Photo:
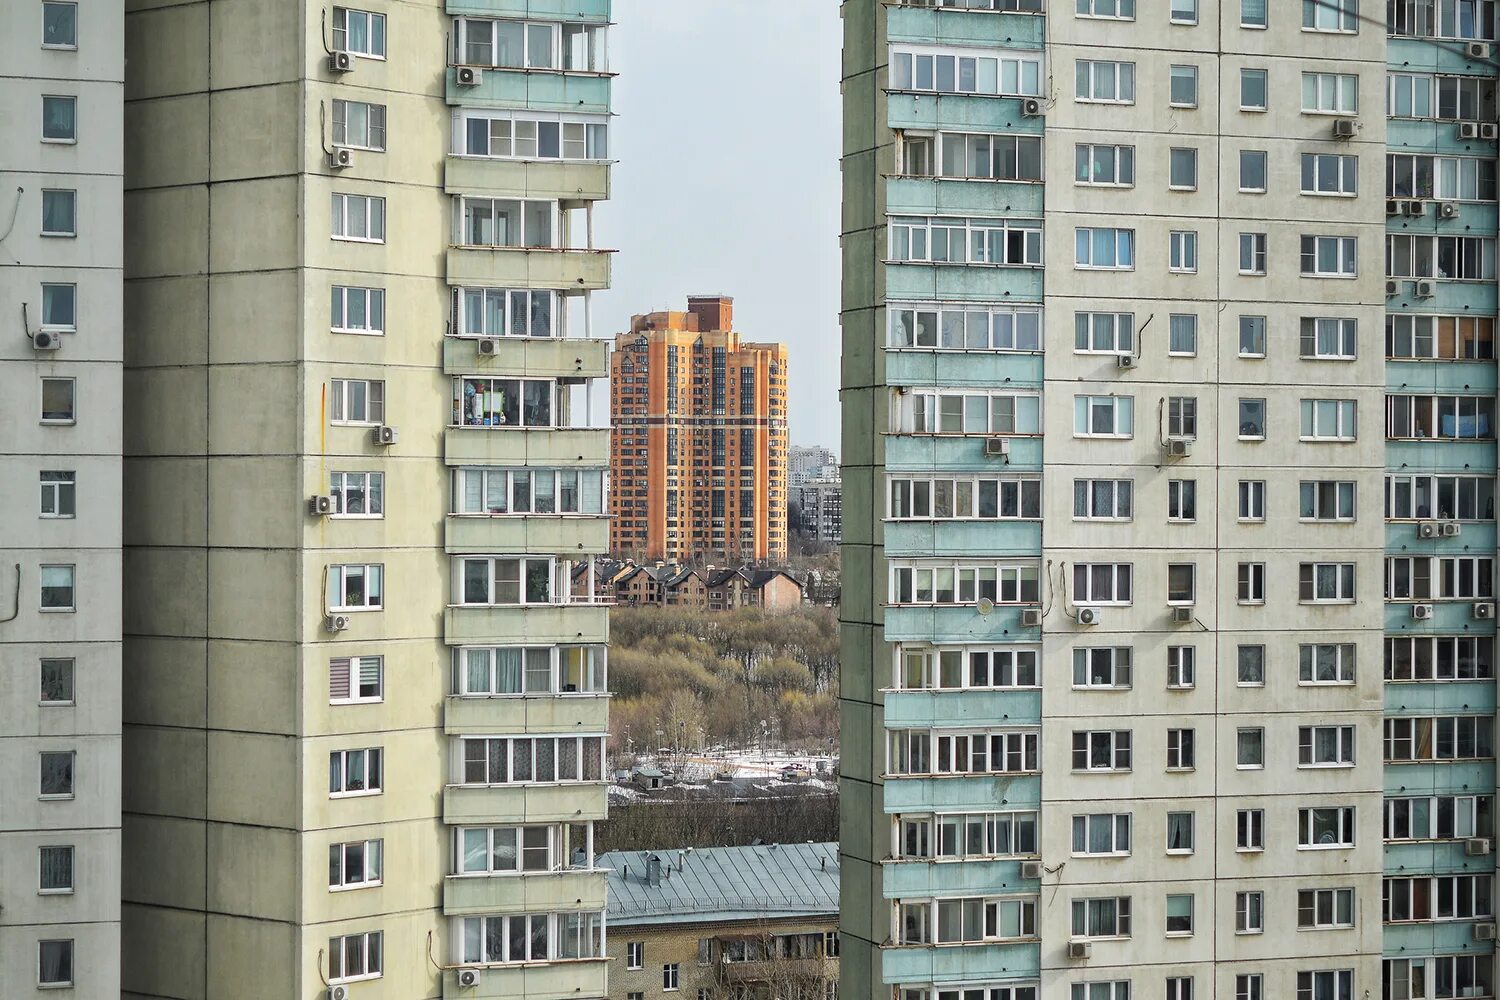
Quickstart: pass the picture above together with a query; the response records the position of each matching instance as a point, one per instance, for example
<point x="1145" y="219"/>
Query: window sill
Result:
<point x="1254" y="111"/>
<point x="356" y="239"/>
<point x="58" y="423"/>
<point x="57" y="517"/>
<point x="56" y="798"/>
<point x="350" y="611"/>
<point x="356" y="701"/>
<point x="58" y="236"/>
<point x="355" y="979"/>
<point x="356" y="795"/>
<point x="357" y="333"/>
<point x="57" y="704"/>
<point x="59" y="142"/>
<point x="355" y="886"/>
<point x="58" y="611"/>
<point x="59" y="48"/>
<point x="54" y="892"/>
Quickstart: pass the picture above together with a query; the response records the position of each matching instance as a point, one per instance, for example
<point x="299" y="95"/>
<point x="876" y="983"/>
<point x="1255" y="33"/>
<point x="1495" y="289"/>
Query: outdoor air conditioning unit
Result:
<point x="1477" y="50"/>
<point x="1417" y="208"/>
<point x="1468" y="130"/>
<point x="1083" y="949"/>
<point x="318" y="506"/>
<point x="469" y="978"/>
<point x="1395" y="207"/>
<point x="336" y="623"/>
<point x="489" y="346"/>
<point x="1031" y="869"/>
<point x="1392" y="288"/>
<point x="1426" y="289"/>
<point x="385" y="434"/>
<point x="1484" y="931"/>
<point x="996" y="447"/>
<point x="1031" y="107"/>
<point x="1421" y="612"/>
<point x="1031" y="617"/>
<point x="340" y="62"/>
<point x="340" y="992"/>
<point x="1477" y="847"/>
<point x="1182" y="616"/>
<point x="1450" y="529"/>
<point x="1448" y="209"/>
<point x="340" y="159"/>
<point x="1489" y="130"/>
<point x="1177" y="448"/>
<point x="1427" y="529"/>
<point x="1123" y="361"/>
<point x="45" y="340"/>
<point x="1345" y="128"/>
<point x="469" y="76"/>
<point x="1484" y="609"/>
<point x="1088" y="616"/>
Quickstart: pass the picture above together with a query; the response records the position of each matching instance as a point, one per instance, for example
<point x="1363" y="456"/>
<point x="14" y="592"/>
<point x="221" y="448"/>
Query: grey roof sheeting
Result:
<point x="714" y="884"/>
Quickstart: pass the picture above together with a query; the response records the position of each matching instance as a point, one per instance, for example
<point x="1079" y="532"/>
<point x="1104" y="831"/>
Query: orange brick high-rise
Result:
<point x="699" y="466"/>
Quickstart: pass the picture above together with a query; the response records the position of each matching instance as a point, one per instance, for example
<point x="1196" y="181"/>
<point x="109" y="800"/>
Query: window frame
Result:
<point x="343" y="205"/>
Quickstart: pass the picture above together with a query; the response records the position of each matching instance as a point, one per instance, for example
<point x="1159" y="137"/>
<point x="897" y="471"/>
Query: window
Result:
<point x="531" y="937"/>
<point x="965" y="327"/>
<point x="59" y="118"/>
<point x="1101" y="583"/>
<point x="1325" y="746"/>
<point x="1179" y="833"/>
<point x="1180" y="750"/>
<point x="1107" y="917"/>
<point x="1183" y="169"/>
<point x="635" y="954"/>
<point x="1326" y="338"/>
<point x="498" y="222"/>
<point x="1253" y="171"/>
<point x="1328" y="420"/>
<point x="1326" y="500"/>
<point x="356" y="680"/>
<point x="1325" y="827"/>
<point x="1120" y="9"/>
<point x="354" y="956"/>
<point x="1250" y="748"/>
<point x="1102" y="834"/>
<point x="1447" y="98"/>
<point x="494" y="491"/>
<point x="964" y="498"/>
<point x="1446" y="897"/>
<point x="1107" y="249"/>
<point x="1330" y="93"/>
<point x="1104" y="750"/>
<point x="1446" y="737"/>
<point x="1338" y="985"/>
<point x="512" y="670"/>
<point x="1102" y="667"/>
<point x="55" y="870"/>
<point x="510" y="134"/>
<point x="510" y="581"/>
<point x="1249" y="913"/>
<point x="1325" y="583"/>
<point x="59" y="307"/>
<point x="1250" y="830"/>
<point x="1182" y="254"/>
<point x="1118" y="989"/>
<point x="1102" y="499"/>
<point x="999" y="242"/>
<point x="1252" y="420"/>
<point x="1253" y="90"/>
<point x="1330" y="174"/>
<point x="357" y="310"/>
<point x="930" y="411"/>
<point x="1446" y="258"/>
<point x="1467" y="498"/>
<point x="1252" y="15"/>
<point x="55" y="963"/>
<point x="359" y="125"/>
<point x="355" y="587"/>
<point x="1467" y="338"/>
<point x="986" y="156"/>
<point x="1182" y="499"/>
<point x="1442" y="817"/>
<point x="669" y="977"/>
<point x="499" y="312"/>
<point x="1442" y="417"/>
<point x="1252" y="253"/>
<point x="1183" y="12"/>
<point x="1182" y="334"/>
<point x="1449" y="178"/>
<point x="1330" y="15"/>
<point x="1182" y="416"/>
<point x="1104" y="166"/>
<point x="1329" y="256"/>
<point x="957" y="921"/>
<point x="56" y="774"/>
<point x="972" y="835"/>
<point x="57" y="681"/>
<point x="357" y="401"/>
<point x="1461" y="975"/>
<point x="1104" y="82"/>
<point x="509" y="402"/>
<point x="1444" y="577"/>
<point x="359" y="31"/>
<point x="58" y="401"/>
<point x="500" y="760"/>
<point x="1252" y="336"/>
<point x="921" y="751"/>
<point x="1103" y="416"/>
<point x="354" y="772"/>
<point x="358" y="494"/>
<point x="1184" y="86"/>
<point x="57" y="588"/>
<point x="58" y="494"/>
<point x="59" y="212"/>
<point x="1249" y="987"/>
<point x="1179" y="922"/>
<point x="1439" y="658"/>
<point x="355" y="864"/>
<point x="1103" y="333"/>
<point x="358" y="217"/>
<point x="59" y="25"/>
<point x="1012" y="74"/>
<point x="1251" y="583"/>
<point x="1252" y="499"/>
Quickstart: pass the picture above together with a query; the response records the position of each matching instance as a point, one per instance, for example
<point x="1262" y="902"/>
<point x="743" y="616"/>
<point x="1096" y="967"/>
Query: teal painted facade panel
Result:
<point x="1452" y="456"/>
<point x="1445" y="857"/>
<point x="1466" y="778"/>
<point x="593" y="11"/>
<point x="935" y="369"/>
<point x="959" y="454"/>
<point x="965" y="793"/>
<point x="1441" y="376"/>
<point x="987" y="30"/>
<point x="951" y="709"/>
<point x="1448" y="618"/>
<point x="1446" y="938"/>
<point x="907" y="624"/>
<point x="958" y="538"/>
<point x="538" y="91"/>
<point x="1462" y="298"/>
<point x="964" y="283"/>
<point x="954" y="878"/>
<point x="961" y="112"/>
<point x="941" y="196"/>
<point x="1447" y="698"/>
<point x="968" y="963"/>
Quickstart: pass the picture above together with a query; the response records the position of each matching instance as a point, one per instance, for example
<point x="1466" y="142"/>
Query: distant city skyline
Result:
<point x="684" y="225"/>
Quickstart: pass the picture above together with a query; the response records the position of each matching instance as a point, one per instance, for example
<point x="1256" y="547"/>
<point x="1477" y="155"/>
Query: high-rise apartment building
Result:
<point x="820" y="505"/>
<point x="61" y="67"/>
<point x="366" y="711"/>
<point x="1164" y="428"/>
<point x="811" y="462"/>
<point x="700" y="417"/>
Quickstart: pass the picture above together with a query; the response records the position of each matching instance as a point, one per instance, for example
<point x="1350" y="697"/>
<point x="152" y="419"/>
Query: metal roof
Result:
<point x="711" y="884"/>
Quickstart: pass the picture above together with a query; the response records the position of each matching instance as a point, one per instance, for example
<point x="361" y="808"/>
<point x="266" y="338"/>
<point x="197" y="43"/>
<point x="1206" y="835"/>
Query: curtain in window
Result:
<point x="57" y="868"/>
<point x="1253" y="12"/>
<point x="508" y="671"/>
<point x="57" y="212"/>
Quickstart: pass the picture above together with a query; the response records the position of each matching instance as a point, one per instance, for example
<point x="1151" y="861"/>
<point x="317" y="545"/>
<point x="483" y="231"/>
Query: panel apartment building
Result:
<point x="366" y="720"/>
<point x="61" y="94"/>
<point x="700" y="463"/>
<point x="1169" y="456"/>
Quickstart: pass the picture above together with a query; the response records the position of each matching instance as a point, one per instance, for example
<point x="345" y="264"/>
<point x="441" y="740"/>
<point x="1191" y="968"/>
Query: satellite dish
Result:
<point x="986" y="605"/>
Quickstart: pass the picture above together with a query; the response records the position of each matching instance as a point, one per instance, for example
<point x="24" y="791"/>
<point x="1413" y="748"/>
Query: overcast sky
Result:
<point x="728" y="178"/>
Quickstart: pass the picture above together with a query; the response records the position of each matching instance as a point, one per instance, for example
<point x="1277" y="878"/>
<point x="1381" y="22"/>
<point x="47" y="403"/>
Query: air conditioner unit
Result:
<point x="489" y="346"/>
<point x="45" y="340"/>
<point x="319" y="505"/>
<point x="1031" y="869"/>
<point x="1450" y="529"/>
<point x="1468" y="130"/>
<point x="996" y="447"/>
<point x="1484" y="609"/>
<point x="469" y="978"/>
<point x="469" y="76"/>
<point x="339" y="993"/>
<point x="340" y="62"/>
<point x="1418" y="208"/>
<point x="1182" y="616"/>
<point x="1031" y="617"/>
<point x="1345" y="128"/>
<point x="1088" y="616"/>
<point x="1477" y="847"/>
<point x="385" y="434"/>
<point x="1392" y="288"/>
<point x="336" y="623"/>
<point x="340" y="159"/>
<point x="1177" y="448"/>
<point x="1126" y="361"/>
<point x="1421" y="612"/>
<point x="1083" y="949"/>
<point x="1426" y="289"/>
<point x="1395" y="207"/>
<point x="1448" y="209"/>
<point x="1477" y="50"/>
<point x="1489" y="130"/>
<point x="1031" y="108"/>
<point x="1427" y="529"/>
<point x="1484" y="931"/>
